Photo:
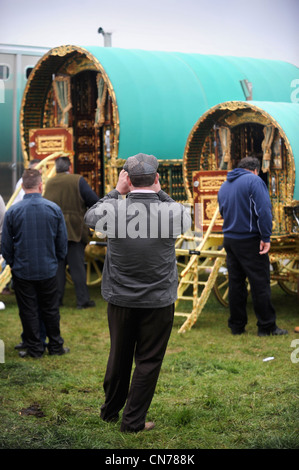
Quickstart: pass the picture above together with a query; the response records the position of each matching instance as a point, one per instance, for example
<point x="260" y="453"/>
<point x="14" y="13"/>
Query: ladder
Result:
<point x="190" y="275"/>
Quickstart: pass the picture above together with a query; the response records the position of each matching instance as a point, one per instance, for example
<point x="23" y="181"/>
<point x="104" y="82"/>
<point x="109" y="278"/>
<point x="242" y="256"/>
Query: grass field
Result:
<point x="214" y="391"/>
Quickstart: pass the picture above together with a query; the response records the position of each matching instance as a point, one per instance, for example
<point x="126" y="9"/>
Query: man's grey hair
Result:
<point x="62" y="164"/>
<point x="250" y="163"/>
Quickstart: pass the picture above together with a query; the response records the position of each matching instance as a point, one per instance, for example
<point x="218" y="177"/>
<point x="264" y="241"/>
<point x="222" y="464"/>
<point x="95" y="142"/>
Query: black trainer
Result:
<point x="64" y="350"/>
<point x="88" y="304"/>
<point x="276" y="332"/>
<point x="21" y="346"/>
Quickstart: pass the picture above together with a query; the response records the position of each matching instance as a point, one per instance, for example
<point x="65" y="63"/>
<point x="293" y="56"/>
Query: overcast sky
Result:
<point x="252" y="28"/>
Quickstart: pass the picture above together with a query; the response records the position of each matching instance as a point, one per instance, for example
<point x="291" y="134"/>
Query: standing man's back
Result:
<point x="245" y="206"/>
<point x="73" y="194"/>
<point x="34" y="240"/>
<point x="139" y="283"/>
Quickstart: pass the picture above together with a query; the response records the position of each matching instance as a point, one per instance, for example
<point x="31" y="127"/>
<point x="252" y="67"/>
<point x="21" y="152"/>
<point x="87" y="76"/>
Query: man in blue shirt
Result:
<point x="245" y="206"/>
<point x="34" y="239"/>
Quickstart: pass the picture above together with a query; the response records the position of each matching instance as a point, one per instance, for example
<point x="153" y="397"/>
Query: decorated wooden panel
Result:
<point x="43" y="142"/>
<point x="206" y="185"/>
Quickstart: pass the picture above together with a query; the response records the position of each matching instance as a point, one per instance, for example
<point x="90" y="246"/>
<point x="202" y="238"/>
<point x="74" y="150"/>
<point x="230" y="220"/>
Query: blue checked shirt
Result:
<point x="34" y="237"/>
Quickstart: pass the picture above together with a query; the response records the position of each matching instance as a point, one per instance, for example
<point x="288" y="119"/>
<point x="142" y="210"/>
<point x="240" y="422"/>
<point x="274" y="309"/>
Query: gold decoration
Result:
<point x="86" y="158"/>
<point x="86" y="140"/>
<point x="232" y="105"/>
<point x="211" y="206"/>
<point x="266" y="146"/>
<point x="247" y="116"/>
<point x="225" y="139"/>
<point x="50" y="144"/>
<point x="62" y="50"/>
<point x="209" y="183"/>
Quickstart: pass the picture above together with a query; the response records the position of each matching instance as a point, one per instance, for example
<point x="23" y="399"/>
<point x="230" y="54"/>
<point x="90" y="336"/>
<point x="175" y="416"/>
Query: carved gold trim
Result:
<point x="62" y="50"/>
<point x="232" y="105"/>
<point x="236" y="119"/>
<point x="50" y="143"/>
<point x="210" y="183"/>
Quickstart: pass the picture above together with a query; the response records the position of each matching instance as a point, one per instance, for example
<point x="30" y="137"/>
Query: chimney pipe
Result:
<point x="107" y="37"/>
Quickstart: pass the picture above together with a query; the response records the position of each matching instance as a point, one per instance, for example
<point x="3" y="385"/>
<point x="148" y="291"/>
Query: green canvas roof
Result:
<point x="161" y="95"/>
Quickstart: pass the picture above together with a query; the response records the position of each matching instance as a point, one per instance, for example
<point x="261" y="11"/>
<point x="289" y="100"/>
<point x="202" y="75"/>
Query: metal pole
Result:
<point x="14" y="156"/>
<point x="107" y="37"/>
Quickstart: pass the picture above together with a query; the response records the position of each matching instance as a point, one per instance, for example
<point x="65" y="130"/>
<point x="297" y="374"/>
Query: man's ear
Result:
<point x="157" y="178"/>
<point x="128" y="180"/>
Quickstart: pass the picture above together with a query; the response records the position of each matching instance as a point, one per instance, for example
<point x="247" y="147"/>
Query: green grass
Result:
<point x="214" y="390"/>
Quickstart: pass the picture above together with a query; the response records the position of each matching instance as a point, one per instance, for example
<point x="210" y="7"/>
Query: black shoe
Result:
<point x="21" y="346"/>
<point x="238" y="332"/>
<point x="60" y="353"/>
<point x="276" y="332"/>
<point x="113" y="419"/>
<point x="88" y="304"/>
<point x="24" y="354"/>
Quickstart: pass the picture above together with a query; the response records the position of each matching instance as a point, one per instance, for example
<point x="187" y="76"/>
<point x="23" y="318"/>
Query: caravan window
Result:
<point x="4" y="72"/>
<point x="28" y="72"/>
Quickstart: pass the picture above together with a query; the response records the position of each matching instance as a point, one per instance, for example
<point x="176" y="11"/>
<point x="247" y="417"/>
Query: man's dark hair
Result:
<point x="62" y="164"/>
<point x="140" y="181"/>
<point x="31" y="179"/>
<point x="250" y="163"/>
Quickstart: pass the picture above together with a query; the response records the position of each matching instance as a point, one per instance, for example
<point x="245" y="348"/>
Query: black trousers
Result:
<point x="35" y="299"/>
<point x="75" y="260"/>
<point x="143" y="334"/>
<point x="244" y="260"/>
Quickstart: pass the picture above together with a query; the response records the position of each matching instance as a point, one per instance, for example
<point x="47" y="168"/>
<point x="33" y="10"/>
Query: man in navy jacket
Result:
<point x="34" y="239"/>
<point x="245" y="206"/>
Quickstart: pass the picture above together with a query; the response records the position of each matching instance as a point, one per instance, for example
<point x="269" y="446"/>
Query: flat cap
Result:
<point x="141" y="164"/>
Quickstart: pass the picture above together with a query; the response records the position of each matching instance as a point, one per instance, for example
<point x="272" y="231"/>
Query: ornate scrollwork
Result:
<point x="233" y="105"/>
<point x="62" y="50"/>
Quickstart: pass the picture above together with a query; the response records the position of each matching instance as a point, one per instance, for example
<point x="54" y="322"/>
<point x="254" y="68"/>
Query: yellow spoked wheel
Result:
<point x="94" y="261"/>
<point x="220" y="288"/>
<point x="289" y="275"/>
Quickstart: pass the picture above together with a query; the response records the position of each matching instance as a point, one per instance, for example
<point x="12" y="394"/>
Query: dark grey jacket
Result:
<point x="140" y="266"/>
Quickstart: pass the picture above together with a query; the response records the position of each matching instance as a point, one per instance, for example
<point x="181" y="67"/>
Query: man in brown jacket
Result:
<point x="73" y="195"/>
